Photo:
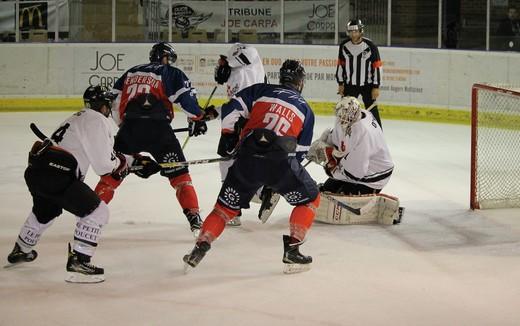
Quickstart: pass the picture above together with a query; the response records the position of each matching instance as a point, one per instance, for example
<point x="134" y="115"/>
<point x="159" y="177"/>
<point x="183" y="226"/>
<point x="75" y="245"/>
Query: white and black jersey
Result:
<point x="246" y="68"/>
<point x="89" y="136"/>
<point x="365" y="158"/>
<point x="359" y="64"/>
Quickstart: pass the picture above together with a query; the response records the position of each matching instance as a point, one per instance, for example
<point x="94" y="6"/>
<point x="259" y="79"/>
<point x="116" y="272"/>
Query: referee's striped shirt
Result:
<point x="359" y="64"/>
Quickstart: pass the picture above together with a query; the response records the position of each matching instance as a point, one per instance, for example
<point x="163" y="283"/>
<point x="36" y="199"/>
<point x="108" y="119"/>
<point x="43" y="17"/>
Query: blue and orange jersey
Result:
<point x="274" y="107"/>
<point x="166" y="83"/>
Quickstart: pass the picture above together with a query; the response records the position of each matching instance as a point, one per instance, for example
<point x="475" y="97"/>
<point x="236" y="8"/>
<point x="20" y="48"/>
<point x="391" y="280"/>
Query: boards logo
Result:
<point x="33" y="16"/>
<point x="184" y="17"/>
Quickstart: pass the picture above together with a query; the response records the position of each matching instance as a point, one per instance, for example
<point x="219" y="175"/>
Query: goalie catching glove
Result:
<point x="148" y="166"/>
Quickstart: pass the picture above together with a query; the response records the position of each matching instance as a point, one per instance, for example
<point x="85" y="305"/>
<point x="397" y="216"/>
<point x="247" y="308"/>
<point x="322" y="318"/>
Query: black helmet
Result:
<point x="292" y="73"/>
<point x="161" y="50"/>
<point x="97" y="96"/>
<point x="355" y="25"/>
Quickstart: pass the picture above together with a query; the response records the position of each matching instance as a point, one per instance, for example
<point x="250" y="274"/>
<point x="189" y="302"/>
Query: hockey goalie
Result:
<point x="356" y="158"/>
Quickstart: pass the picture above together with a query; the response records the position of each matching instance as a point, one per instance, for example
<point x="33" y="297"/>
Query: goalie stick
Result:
<point x="205" y="107"/>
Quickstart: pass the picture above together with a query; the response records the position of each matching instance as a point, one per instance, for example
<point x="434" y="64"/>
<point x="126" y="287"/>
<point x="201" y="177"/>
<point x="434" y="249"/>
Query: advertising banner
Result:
<point x="420" y="77"/>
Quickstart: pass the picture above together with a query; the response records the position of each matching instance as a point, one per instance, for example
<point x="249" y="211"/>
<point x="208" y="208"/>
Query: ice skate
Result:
<point x="80" y="270"/>
<point x="195" y="221"/>
<point x="269" y="200"/>
<point x="17" y="256"/>
<point x="294" y="261"/>
<point x="400" y="215"/>
<point x="192" y="259"/>
<point x="235" y="222"/>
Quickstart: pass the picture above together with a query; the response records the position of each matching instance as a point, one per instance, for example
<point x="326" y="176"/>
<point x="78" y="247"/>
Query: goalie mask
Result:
<point x="292" y="74"/>
<point x="97" y="96"/>
<point x="161" y="50"/>
<point x="348" y="112"/>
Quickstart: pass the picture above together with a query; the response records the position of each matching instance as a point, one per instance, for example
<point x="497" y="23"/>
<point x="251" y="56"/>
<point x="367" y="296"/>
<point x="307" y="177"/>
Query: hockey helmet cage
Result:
<point x="160" y="50"/>
<point x="355" y="25"/>
<point x="97" y="96"/>
<point x="292" y="74"/>
<point x="348" y="112"/>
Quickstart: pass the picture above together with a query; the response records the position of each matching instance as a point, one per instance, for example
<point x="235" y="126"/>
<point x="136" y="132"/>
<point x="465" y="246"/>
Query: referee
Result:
<point x="359" y="67"/>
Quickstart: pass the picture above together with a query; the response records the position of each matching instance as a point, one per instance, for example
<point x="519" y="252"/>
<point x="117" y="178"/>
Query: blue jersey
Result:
<point x="274" y="107"/>
<point x="166" y="83"/>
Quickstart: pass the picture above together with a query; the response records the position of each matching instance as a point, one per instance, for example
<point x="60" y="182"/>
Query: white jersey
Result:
<point x="89" y="136"/>
<point x="246" y="68"/>
<point x="365" y="158"/>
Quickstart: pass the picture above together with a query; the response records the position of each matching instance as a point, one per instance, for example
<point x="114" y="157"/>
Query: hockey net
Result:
<point x="495" y="146"/>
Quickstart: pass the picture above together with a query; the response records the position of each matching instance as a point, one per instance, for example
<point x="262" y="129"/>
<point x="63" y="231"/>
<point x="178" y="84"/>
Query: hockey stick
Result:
<point x="181" y="129"/>
<point x="357" y="211"/>
<point x="205" y="106"/>
<point x="184" y="163"/>
<point x="37" y="131"/>
<point x="373" y="105"/>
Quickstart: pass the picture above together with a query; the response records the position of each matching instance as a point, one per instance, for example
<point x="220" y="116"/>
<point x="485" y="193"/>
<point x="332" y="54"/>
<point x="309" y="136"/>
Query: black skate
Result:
<point x="269" y="200"/>
<point x="17" y="256"/>
<point x="294" y="261"/>
<point x="196" y="255"/>
<point x="195" y="221"/>
<point x="399" y="215"/>
<point x="80" y="270"/>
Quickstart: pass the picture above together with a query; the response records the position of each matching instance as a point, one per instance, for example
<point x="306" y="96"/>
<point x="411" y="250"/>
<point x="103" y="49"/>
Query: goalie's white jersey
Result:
<point x="246" y="68"/>
<point x="365" y="156"/>
<point x="89" y="137"/>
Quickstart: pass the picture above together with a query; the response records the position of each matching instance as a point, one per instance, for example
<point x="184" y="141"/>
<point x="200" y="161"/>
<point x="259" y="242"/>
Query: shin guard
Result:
<point x="302" y="217"/>
<point x="215" y="223"/>
<point x="185" y="192"/>
<point x="106" y="187"/>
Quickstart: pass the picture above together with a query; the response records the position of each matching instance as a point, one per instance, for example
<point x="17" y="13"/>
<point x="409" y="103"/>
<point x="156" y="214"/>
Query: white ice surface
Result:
<point x="444" y="265"/>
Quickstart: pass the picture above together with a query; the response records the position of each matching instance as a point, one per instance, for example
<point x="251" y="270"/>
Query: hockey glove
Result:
<point x="197" y="128"/>
<point x="122" y="170"/>
<point x="210" y="113"/>
<point x="222" y="70"/>
<point x="227" y="144"/>
<point x="149" y="166"/>
<point x="316" y="152"/>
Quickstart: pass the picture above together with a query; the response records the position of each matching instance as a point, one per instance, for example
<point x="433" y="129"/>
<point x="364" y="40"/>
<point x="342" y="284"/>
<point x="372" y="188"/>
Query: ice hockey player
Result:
<point x="275" y="137"/>
<point x="239" y="68"/>
<point x="57" y="168"/>
<point x="144" y="104"/>
<point x="356" y="158"/>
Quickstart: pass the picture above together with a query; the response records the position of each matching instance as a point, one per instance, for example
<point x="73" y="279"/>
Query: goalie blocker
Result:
<point x="363" y="209"/>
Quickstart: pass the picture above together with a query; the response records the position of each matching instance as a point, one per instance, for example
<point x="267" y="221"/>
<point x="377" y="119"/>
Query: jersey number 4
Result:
<point x="57" y="136"/>
<point x="276" y="123"/>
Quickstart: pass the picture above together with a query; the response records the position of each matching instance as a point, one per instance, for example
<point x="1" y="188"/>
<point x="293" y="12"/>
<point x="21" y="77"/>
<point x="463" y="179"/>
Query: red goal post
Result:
<point x="495" y="146"/>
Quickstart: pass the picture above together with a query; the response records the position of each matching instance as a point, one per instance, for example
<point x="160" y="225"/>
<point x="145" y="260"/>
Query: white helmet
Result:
<point x="348" y="111"/>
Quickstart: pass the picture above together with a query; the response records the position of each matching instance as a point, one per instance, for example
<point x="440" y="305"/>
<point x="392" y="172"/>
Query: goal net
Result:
<point x="495" y="146"/>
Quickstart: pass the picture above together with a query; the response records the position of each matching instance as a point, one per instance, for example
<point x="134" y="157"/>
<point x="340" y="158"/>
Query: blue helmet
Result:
<point x="161" y="50"/>
<point x="292" y="74"/>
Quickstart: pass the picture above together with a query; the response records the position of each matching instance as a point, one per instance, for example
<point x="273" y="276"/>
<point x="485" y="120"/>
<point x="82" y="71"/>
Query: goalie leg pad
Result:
<point x="379" y="208"/>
